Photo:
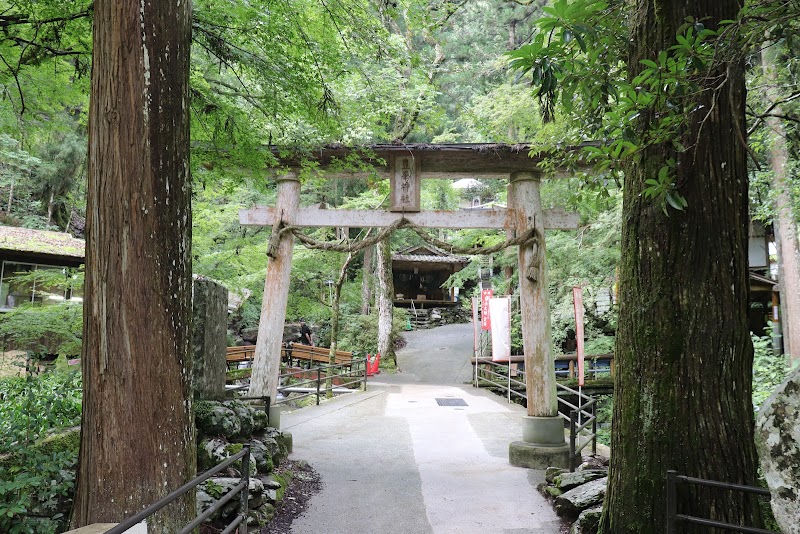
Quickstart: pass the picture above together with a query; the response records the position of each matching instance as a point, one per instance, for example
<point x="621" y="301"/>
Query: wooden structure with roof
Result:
<point x="40" y="246"/>
<point x="419" y="273"/>
<point x="23" y="250"/>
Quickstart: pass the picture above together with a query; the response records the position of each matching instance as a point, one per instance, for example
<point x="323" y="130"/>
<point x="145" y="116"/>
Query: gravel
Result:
<point x="305" y="483"/>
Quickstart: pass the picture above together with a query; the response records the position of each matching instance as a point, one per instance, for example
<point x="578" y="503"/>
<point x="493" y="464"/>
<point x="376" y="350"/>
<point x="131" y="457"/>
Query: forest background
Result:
<point x="309" y="73"/>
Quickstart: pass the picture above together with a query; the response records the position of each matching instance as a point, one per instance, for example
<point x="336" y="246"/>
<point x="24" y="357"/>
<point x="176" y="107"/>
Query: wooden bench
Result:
<point x="236" y="355"/>
<point x="307" y="353"/>
<point x="290" y="353"/>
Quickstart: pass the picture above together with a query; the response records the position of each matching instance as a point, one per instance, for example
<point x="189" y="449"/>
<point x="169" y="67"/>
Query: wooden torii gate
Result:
<point x="405" y="166"/>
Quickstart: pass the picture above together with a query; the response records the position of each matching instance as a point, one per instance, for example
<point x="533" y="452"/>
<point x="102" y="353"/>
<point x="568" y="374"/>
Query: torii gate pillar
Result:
<point x="267" y="360"/>
<point x="543" y="443"/>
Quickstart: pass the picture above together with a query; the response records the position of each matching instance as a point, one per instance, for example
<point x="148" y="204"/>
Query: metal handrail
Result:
<point x="358" y="376"/>
<point x="244" y="454"/>
<point x="585" y="402"/>
<point x="673" y="517"/>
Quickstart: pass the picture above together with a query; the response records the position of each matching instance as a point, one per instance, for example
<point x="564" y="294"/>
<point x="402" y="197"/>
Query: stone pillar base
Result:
<point x="522" y="454"/>
<point x="287" y="439"/>
<point x="543" y="431"/>
<point x="275" y="417"/>
<point x="543" y="444"/>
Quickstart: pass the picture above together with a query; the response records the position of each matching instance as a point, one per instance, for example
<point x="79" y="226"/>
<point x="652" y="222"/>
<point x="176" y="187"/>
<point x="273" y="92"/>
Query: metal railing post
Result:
<point x="508" y="367"/>
<point x="573" y="415"/>
<point x="246" y="491"/>
<point x="672" y="501"/>
<point x="319" y="379"/>
<point x="594" y="427"/>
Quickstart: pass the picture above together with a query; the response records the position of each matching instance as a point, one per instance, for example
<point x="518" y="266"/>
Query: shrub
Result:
<point x="37" y="471"/>
<point x="359" y="333"/>
<point x="56" y="328"/>
<point x="769" y="369"/>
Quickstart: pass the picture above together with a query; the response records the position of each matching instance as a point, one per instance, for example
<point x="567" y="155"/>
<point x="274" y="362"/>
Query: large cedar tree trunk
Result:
<point x="385" y="292"/>
<point x="137" y="435"/>
<point x="684" y="356"/>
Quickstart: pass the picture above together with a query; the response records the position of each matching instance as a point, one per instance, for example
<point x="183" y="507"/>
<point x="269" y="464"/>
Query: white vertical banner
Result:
<point x="577" y="297"/>
<point x="499" y="311"/>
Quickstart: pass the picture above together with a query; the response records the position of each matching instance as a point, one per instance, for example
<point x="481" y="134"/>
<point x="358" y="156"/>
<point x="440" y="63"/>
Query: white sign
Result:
<point x="499" y="310"/>
<point x="405" y="185"/>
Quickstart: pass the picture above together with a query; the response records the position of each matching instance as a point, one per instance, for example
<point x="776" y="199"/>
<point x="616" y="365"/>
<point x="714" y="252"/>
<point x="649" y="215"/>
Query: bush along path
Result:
<point x="37" y="480"/>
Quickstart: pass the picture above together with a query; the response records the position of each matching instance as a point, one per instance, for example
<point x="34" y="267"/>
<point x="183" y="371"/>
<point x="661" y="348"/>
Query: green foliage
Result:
<point x="599" y="344"/>
<point x="56" y="328"/>
<point x="577" y="59"/>
<point x="605" y="411"/>
<point x="360" y="332"/>
<point x="214" y="490"/>
<point x="37" y="477"/>
<point x="769" y="369"/>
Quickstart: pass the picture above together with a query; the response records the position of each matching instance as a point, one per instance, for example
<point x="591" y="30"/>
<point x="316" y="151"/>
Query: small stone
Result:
<point x="567" y="481"/>
<point x="588" y="521"/>
<point x="302" y="465"/>
<point x="245" y="415"/>
<point x="594" y="461"/>
<point x="551" y="473"/>
<point x="262" y="456"/>
<point x="271" y="483"/>
<point x="573" y="502"/>
<point x="552" y="491"/>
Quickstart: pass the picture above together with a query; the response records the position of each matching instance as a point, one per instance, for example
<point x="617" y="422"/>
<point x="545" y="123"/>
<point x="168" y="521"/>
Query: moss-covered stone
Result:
<point x="66" y="440"/>
<point x="260" y="420"/>
<point x="214" y="419"/>
<point x="262" y="456"/>
<point x="551" y="473"/>
<point x="245" y="415"/>
<point x="552" y="491"/>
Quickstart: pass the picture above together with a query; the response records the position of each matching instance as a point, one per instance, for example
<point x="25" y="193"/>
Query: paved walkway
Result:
<point x="393" y="460"/>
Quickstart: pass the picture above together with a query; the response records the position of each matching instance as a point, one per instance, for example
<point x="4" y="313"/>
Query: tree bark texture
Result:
<point x="335" y="316"/>
<point x="137" y="435"/>
<point x="788" y="250"/>
<point x="684" y="356"/>
<point x="534" y="298"/>
<point x="366" y="280"/>
<point x="385" y="304"/>
<point x="267" y="360"/>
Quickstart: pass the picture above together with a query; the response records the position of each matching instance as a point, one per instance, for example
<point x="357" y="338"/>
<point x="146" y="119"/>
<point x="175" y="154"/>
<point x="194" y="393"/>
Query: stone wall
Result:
<point x="209" y="338"/>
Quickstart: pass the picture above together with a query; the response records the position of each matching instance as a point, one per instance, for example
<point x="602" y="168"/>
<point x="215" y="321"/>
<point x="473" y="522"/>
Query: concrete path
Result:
<point x="393" y="460"/>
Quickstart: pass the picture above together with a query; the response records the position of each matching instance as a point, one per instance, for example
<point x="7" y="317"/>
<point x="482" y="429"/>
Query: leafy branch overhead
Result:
<point x="577" y="62"/>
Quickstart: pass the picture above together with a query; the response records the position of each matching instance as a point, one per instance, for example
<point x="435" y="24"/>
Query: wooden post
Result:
<point x="540" y="383"/>
<point x="267" y="360"/>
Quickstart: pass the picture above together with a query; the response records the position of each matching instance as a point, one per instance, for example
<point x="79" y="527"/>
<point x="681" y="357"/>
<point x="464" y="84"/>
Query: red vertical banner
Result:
<point x="486" y="320"/>
<point x="577" y="297"/>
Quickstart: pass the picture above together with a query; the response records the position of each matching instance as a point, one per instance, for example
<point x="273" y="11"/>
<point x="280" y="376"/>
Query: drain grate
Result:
<point x="451" y="402"/>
